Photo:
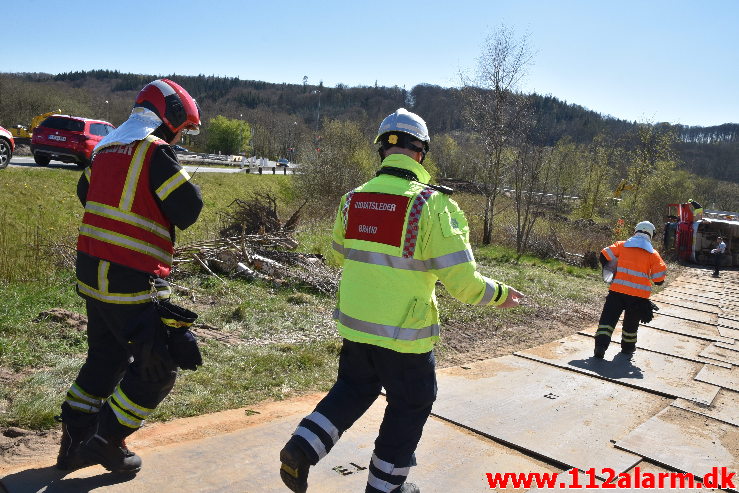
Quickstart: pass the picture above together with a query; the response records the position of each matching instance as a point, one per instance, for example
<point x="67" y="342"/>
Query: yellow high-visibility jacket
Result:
<point x="394" y="239"/>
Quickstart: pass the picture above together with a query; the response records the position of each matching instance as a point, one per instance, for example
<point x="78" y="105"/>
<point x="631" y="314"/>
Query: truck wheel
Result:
<point x="41" y="160"/>
<point x="5" y="153"/>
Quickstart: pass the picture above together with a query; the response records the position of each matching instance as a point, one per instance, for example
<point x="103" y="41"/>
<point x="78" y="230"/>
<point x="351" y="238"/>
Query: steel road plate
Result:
<point x="567" y="417"/>
<point x="654" y="372"/>
<point x="246" y="460"/>
<point x="725" y="407"/>
<point x="730" y="333"/>
<point x="687" y="327"/>
<point x="669" y="343"/>
<point x="723" y="377"/>
<point x="718" y="351"/>
<point x="691" y="304"/>
<point x="686" y="442"/>
<point x="687" y="314"/>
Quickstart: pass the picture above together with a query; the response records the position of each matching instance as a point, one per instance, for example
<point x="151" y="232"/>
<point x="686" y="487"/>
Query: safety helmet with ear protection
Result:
<point x="645" y="227"/>
<point x="172" y="104"/>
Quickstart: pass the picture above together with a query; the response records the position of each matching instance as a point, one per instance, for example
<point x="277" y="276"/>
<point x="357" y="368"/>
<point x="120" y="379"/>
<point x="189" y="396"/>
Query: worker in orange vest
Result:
<point x="636" y="265"/>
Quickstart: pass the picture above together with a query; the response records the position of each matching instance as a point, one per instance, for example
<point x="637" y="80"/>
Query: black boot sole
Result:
<point x="95" y="458"/>
<point x="290" y="472"/>
<point x="72" y="464"/>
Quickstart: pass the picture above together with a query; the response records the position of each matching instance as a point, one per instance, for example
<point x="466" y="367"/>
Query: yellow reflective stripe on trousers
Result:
<point x="124" y="418"/>
<point x="628" y="336"/>
<point x="103" y="268"/>
<point x="82" y="401"/>
<point x="115" y="298"/>
<point x="172" y="184"/>
<point x="127" y="217"/>
<point x="129" y="405"/>
<point x="605" y="330"/>
<point x="389" y="331"/>
<point x="124" y="241"/>
<point x="134" y="171"/>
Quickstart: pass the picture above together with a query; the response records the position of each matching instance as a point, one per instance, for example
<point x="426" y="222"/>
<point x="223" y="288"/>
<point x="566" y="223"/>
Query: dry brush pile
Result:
<point x="255" y="244"/>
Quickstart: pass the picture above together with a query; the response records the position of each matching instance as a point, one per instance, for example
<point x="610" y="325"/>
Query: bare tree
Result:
<point x="531" y="174"/>
<point x="492" y="109"/>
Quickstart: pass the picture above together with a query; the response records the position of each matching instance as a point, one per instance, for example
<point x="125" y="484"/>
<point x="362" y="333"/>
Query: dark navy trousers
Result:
<point x="110" y="367"/>
<point x="409" y="381"/>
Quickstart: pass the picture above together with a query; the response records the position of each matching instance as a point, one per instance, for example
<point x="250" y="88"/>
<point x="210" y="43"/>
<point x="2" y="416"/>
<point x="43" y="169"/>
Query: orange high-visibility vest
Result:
<point x="123" y="222"/>
<point x="636" y="270"/>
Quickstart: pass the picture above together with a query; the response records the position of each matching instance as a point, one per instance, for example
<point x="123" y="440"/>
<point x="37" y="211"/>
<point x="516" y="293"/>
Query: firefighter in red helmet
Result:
<point x="135" y="193"/>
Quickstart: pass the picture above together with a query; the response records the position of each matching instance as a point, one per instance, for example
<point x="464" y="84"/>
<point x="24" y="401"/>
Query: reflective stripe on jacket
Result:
<point x="636" y="271"/>
<point x="123" y="222"/>
<point x="394" y="239"/>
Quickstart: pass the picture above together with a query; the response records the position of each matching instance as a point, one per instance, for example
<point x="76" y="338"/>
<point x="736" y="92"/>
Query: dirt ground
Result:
<point x="20" y="448"/>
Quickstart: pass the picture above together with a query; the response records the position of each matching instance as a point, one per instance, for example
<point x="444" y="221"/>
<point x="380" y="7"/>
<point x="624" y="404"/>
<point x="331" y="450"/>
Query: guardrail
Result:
<point x="249" y="165"/>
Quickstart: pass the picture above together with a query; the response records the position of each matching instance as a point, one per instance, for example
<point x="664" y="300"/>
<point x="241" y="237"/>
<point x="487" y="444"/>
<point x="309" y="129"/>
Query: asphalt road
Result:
<point x="26" y="161"/>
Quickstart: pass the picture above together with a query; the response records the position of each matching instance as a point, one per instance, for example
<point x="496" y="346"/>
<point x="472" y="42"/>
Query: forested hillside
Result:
<point x="291" y="114"/>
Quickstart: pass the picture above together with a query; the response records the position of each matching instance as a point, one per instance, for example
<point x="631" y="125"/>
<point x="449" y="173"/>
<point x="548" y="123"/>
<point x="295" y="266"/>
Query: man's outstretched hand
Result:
<point x="513" y="299"/>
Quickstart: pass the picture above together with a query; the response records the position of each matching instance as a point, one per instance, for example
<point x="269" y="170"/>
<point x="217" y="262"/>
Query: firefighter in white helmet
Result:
<point x="637" y="266"/>
<point x="395" y="236"/>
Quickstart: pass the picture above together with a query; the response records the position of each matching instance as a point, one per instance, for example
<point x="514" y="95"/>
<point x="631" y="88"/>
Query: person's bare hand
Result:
<point x="513" y="299"/>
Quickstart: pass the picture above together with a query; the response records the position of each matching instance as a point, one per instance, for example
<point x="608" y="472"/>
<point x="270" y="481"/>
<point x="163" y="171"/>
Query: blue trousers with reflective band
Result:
<point x="616" y="304"/>
<point x="410" y="385"/>
<point x="108" y="370"/>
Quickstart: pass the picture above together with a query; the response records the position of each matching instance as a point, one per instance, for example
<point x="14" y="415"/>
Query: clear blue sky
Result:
<point x="648" y="60"/>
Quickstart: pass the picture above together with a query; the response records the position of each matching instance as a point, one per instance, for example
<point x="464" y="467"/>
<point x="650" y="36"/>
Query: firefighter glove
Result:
<point x="181" y="342"/>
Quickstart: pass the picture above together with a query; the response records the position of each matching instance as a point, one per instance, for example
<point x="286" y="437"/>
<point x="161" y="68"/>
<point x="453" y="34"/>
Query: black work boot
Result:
<point x="73" y="437"/>
<point x="294" y="467"/>
<point x="115" y="457"/>
<point x="599" y="352"/>
<point x="628" y="348"/>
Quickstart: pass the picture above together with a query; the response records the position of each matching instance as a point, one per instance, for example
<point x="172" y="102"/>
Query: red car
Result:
<point x="69" y="139"/>
<point x="7" y="145"/>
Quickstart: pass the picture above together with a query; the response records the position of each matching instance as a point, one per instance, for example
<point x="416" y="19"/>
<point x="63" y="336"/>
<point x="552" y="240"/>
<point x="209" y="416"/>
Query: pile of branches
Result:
<point x="257" y="257"/>
<point x="256" y="216"/>
<point x="255" y="244"/>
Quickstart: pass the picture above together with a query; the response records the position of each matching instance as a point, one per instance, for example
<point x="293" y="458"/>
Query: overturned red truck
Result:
<point x="692" y="231"/>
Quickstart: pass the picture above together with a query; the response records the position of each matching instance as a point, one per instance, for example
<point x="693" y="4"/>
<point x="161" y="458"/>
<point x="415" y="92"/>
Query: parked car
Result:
<point x="69" y="139"/>
<point x="283" y="162"/>
<point x="179" y="149"/>
<point x="7" y="146"/>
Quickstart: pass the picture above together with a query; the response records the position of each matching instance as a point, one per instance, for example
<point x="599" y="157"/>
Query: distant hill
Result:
<point x="706" y="151"/>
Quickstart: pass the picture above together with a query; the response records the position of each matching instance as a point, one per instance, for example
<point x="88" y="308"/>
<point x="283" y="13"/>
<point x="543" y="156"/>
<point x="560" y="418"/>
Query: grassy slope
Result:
<point x="289" y="344"/>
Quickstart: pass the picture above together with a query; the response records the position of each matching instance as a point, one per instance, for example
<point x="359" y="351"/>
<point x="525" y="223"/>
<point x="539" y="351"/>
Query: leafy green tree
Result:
<point x="228" y="135"/>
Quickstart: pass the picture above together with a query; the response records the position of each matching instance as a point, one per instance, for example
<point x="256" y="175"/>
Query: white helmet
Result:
<point x="405" y="122"/>
<point x="645" y="227"/>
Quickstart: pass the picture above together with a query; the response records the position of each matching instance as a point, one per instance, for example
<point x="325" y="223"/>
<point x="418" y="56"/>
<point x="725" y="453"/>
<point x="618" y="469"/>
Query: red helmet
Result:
<point x="172" y="103"/>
